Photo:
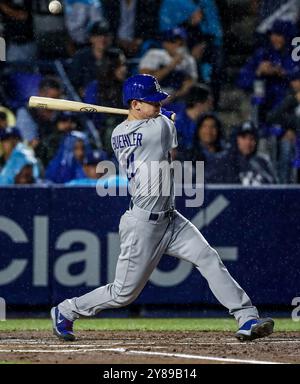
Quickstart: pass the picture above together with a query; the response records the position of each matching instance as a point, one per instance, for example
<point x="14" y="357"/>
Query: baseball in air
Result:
<point x="55" y="7"/>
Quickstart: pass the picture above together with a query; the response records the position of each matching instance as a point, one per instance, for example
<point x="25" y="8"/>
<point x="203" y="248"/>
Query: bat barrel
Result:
<point x="71" y="106"/>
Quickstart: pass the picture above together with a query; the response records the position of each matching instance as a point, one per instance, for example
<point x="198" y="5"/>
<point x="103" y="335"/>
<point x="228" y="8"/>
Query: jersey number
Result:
<point x="130" y="167"/>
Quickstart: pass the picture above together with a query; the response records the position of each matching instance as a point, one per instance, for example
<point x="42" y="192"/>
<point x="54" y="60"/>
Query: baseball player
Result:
<point x="152" y="226"/>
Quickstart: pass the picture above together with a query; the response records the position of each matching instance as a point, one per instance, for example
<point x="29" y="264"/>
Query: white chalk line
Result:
<point x="148" y="353"/>
<point x="189" y="356"/>
<point x="50" y="350"/>
<point x="46" y="343"/>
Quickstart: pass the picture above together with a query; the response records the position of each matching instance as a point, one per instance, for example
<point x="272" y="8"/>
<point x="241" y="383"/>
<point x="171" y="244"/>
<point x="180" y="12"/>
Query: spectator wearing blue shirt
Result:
<point x="199" y="101"/>
<point x="204" y="16"/>
<point x="204" y="12"/>
<point x="95" y="173"/>
<point x="79" y="14"/>
<point x="91" y="168"/>
<point x="21" y="166"/>
<point x="67" y="165"/>
<point x="271" y="65"/>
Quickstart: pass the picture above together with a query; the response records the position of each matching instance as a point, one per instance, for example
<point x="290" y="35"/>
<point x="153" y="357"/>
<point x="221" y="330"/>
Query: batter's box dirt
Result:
<point x="114" y="347"/>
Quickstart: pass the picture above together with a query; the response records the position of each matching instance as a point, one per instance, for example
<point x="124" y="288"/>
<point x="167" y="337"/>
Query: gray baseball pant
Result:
<point x="143" y="242"/>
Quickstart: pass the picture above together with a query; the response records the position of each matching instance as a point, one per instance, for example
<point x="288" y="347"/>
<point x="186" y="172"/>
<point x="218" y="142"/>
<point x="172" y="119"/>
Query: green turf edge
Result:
<point x="149" y="324"/>
<point x="3" y="362"/>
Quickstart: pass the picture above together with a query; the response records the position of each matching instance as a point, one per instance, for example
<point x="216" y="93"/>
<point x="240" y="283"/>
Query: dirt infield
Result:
<point x="148" y="347"/>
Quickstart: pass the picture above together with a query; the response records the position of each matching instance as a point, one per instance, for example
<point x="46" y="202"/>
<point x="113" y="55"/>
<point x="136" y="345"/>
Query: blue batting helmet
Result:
<point x="144" y="88"/>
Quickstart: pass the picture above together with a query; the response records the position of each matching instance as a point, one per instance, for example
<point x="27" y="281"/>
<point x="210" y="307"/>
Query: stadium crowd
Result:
<point x="87" y="52"/>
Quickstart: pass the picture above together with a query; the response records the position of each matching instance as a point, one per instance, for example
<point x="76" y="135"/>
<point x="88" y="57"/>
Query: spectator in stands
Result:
<point x="201" y="16"/>
<point x="198" y="102"/>
<point x="173" y="66"/>
<point x="107" y="90"/>
<point x="36" y="124"/>
<point x="3" y="126"/>
<point x="67" y="164"/>
<point x="203" y="13"/>
<point x="133" y="20"/>
<point x="91" y="171"/>
<point x="201" y="48"/>
<point x="95" y="172"/>
<point x="271" y="65"/>
<point x="241" y="164"/>
<point x="79" y="14"/>
<point x="89" y="61"/>
<point x="287" y="115"/>
<point x="19" y="163"/>
<point x="208" y="138"/>
<point x="207" y="142"/>
<point x="64" y="124"/>
<point x="18" y="30"/>
<point x="3" y="120"/>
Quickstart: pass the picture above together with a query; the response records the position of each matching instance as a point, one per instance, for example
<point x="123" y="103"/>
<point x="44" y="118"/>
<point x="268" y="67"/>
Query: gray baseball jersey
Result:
<point x="145" y="237"/>
<point x="143" y="149"/>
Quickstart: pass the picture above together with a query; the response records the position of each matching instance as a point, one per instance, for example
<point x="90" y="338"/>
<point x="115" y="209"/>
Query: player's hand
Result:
<point x="169" y="114"/>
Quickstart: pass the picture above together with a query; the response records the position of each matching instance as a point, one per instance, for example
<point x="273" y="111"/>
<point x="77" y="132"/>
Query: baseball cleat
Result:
<point x="255" y="329"/>
<point x="62" y="327"/>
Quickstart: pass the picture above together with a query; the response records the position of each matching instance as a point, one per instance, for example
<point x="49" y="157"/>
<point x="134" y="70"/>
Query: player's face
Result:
<point x="146" y="110"/>
<point x="246" y="144"/>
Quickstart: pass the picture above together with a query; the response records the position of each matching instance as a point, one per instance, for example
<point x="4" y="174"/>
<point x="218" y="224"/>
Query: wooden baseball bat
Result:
<point x="72" y="106"/>
<point x="75" y="106"/>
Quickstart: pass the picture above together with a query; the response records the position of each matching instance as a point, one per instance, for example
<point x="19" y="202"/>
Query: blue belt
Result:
<point x="154" y="216"/>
